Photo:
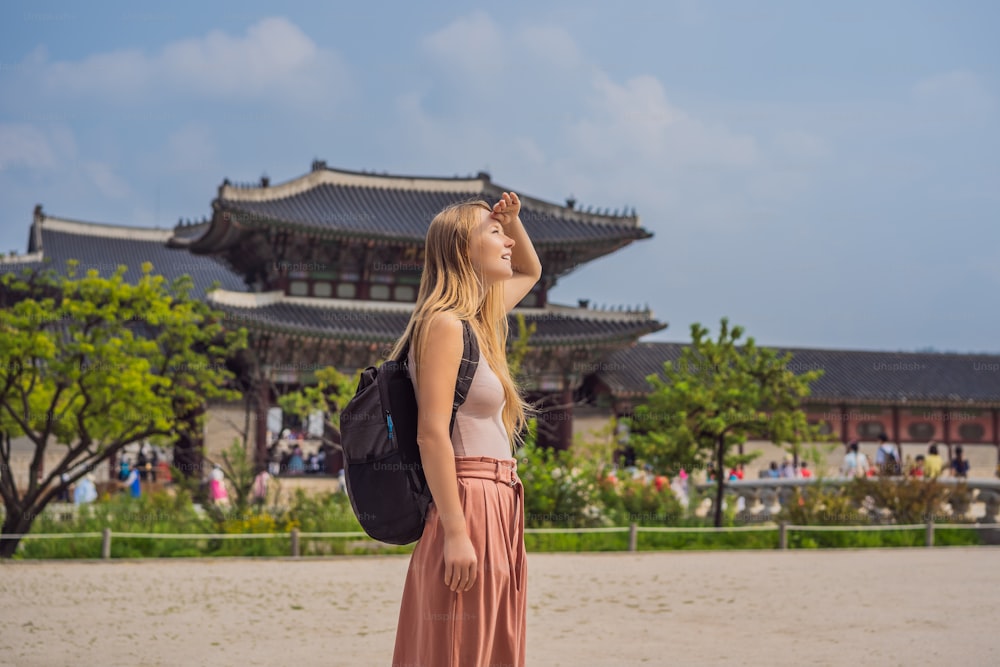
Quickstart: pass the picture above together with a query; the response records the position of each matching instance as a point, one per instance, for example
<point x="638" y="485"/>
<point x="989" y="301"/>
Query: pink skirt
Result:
<point x="484" y="626"/>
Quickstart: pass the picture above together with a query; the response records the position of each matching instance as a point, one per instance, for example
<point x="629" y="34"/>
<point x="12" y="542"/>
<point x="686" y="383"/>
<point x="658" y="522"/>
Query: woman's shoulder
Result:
<point x="444" y="318"/>
<point x="442" y="327"/>
<point x="441" y="338"/>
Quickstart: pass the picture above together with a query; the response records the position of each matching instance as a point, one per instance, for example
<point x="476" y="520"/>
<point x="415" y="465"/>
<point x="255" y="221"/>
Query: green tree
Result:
<point x="240" y="470"/>
<point x="519" y="347"/>
<point x="329" y="395"/>
<point x="715" y="397"/>
<point x="91" y="364"/>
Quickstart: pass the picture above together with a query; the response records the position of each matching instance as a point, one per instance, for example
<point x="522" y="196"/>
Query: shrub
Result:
<point x="556" y="491"/>
<point x="821" y="505"/>
<point x="636" y="501"/>
<point x="905" y="500"/>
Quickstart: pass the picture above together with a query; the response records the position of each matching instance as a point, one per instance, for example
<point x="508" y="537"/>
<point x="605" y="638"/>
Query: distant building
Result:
<point x="911" y="397"/>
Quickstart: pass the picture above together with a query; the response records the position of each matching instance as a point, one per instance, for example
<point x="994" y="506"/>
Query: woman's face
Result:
<point x="490" y="249"/>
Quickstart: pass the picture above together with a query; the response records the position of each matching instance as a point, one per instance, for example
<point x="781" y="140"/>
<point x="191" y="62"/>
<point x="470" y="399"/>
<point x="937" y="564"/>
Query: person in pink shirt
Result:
<point x="217" y="487"/>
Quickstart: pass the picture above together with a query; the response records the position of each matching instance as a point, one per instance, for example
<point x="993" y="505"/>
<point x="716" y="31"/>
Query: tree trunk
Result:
<point x="14" y="523"/>
<point x="720" y="487"/>
<point x="188" y="450"/>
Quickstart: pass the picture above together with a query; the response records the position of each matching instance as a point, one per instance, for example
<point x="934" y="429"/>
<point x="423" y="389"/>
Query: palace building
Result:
<point x="323" y="271"/>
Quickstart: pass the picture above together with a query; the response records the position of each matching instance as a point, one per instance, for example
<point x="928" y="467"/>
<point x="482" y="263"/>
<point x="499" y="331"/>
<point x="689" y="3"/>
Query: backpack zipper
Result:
<point x="388" y="421"/>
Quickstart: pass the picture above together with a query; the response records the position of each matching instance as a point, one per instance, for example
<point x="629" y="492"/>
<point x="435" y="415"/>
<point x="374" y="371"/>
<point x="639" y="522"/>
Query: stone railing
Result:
<point x="761" y="499"/>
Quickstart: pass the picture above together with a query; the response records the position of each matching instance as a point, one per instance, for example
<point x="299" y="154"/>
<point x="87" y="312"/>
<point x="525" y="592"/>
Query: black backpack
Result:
<point x="378" y="431"/>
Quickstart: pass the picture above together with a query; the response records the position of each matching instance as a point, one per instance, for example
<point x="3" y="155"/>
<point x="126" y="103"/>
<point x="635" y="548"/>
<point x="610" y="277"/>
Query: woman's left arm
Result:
<point x="523" y="258"/>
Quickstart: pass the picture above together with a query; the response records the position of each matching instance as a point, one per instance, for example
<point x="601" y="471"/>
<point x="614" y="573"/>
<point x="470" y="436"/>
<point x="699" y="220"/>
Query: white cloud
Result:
<point x="272" y="51"/>
<point x="598" y="118"/>
<point x="471" y="45"/>
<point x="38" y="147"/>
<point x="24" y="145"/>
<point x="498" y="58"/>
<point x="612" y="142"/>
<point x="636" y="118"/>
<point x="550" y="45"/>
<point x="274" y="60"/>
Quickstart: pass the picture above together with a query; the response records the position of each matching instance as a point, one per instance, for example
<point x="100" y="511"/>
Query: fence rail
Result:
<point x="783" y="529"/>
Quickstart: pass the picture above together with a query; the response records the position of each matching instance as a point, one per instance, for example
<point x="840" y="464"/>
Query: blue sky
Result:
<point x="824" y="174"/>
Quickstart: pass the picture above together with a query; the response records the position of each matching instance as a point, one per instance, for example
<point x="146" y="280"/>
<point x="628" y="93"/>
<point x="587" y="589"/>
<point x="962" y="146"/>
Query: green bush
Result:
<point x="905" y="500"/>
<point x="909" y="537"/>
<point x="557" y="491"/>
<point x="175" y="513"/>
<point x="332" y="513"/>
<point x="822" y="505"/>
<point x="635" y="501"/>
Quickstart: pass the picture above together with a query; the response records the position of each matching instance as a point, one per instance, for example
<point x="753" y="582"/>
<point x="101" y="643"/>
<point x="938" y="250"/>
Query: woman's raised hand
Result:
<point x="507" y="209"/>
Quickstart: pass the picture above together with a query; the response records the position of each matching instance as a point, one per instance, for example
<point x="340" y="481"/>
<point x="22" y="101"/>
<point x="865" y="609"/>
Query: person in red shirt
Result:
<point x="804" y="470"/>
<point x="660" y="481"/>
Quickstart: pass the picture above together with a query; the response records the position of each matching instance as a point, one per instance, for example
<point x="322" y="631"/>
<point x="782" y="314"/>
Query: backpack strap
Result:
<point x="466" y="370"/>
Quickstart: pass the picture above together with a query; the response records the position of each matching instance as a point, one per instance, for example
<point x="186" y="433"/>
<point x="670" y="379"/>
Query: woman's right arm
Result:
<point x="441" y="359"/>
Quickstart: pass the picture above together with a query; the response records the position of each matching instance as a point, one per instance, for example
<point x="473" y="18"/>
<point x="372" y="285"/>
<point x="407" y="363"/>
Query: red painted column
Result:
<point x="996" y="435"/>
<point x="895" y="427"/>
<point x="946" y="420"/>
<point x="845" y="437"/>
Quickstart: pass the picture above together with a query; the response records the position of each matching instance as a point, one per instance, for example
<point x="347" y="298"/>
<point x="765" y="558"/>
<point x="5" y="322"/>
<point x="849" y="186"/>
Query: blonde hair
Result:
<point x="451" y="284"/>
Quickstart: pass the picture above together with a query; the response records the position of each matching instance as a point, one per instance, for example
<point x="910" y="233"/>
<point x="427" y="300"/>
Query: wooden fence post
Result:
<point x="783" y="535"/>
<point x="106" y="544"/>
<point x="295" y="542"/>
<point x="633" y="537"/>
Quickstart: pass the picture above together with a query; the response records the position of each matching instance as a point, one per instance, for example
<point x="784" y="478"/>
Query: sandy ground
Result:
<point x="867" y="607"/>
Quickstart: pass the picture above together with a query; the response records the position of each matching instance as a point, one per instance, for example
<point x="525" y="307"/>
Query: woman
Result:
<point x="465" y="597"/>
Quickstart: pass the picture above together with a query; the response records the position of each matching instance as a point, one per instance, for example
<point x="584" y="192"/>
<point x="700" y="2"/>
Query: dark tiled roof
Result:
<point x="849" y="374"/>
<point x="394" y="208"/>
<point x="104" y="247"/>
<point x="9" y="265"/>
<point x="191" y="231"/>
<point x="364" y="324"/>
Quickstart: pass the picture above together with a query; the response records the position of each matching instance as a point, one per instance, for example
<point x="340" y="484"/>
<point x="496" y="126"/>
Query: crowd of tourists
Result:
<point x="889" y="462"/>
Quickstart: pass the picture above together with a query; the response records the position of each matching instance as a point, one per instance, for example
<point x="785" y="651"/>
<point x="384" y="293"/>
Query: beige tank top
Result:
<point x="479" y="429"/>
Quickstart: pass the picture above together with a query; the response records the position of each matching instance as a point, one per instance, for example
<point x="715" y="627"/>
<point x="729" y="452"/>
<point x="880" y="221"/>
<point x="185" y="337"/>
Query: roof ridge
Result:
<point x="323" y="174"/>
<point x="786" y="348"/>
<point x="104" y="230"/>
<point x="26" y="258"/>
<point x="589" y="312"/>
<point x="327" y="176"/>
<point x="263" y="299"/>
